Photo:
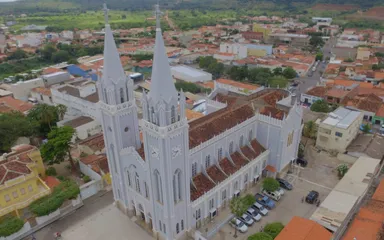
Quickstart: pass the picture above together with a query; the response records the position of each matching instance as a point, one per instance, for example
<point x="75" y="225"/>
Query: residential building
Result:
<point x="92" y="145"/>
<point x="339" y="129"/>
<point x="182" y="173"/>
<point x="369" y="104"/>
<point x="96" y="165"/>
<point x="262" y="29"/>
<point x="300" y="228"/>
<point x="42" y="95"/>
<point x="21" y="173"/>
<point x="334" y="210"/>
<point x="237" y="87"/>
<point x="239" y="50"/>
<point x="295" y="40"/>
<point x="22" y="89"/>
<point x="258" y="50"/>
<point x="257" y="36"/>
<point x="9" y="104"/>
<point x="55" y="78"/>
<point x="3" y="43"/>
<point x="84" y="127"/>
<point x="322" y="21"/>
<point x="363" y="53"/>
<point x="189" y="74"/>
<point x="332" y="94"/>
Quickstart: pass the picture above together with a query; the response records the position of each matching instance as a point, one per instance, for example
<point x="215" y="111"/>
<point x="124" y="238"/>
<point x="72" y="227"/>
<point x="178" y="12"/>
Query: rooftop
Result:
<point x="201" y="185"/>
<point x="8" y="104"/>
<point x="97" y="163"/>
<point x="366" y="102"/>
<point x="241" y="85"/>
<point x="75" y="92"/>
<point x="341" y="118"/>
<point x="79" y="121"/>
<point x="95" y="142"/>
<point x="367" y="145"/>
<point x="42" y="91"/>
<point x="300" y="228"/>
<point x="192" y="72"/>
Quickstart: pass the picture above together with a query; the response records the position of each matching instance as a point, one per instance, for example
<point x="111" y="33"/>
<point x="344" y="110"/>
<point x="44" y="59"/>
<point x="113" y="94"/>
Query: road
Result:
<point x="308" y="82"/>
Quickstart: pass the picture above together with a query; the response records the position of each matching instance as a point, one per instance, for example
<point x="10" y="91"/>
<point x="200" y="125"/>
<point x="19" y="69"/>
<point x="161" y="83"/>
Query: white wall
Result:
<point x="88" y="129"/>
<point x="46" y="99"/>
<point x="310" y="99"/>
<point x="22" y="90"/>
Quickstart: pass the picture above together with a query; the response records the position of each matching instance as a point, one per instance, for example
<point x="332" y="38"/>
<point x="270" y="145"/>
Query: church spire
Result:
<point x="162" y="86"/>
<point x="113" y="71"/>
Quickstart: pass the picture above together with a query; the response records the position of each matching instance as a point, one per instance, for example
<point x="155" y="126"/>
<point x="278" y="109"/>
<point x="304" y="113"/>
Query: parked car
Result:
<point x="274" y="195"/>
<point x="239" y="225"/>
<point x="301" y="162"/>
<point x="280" y="191"/>
<point x="254" y="214"/>
<point x="265" y="201"/>
<point x="312" y="197"/>
<point x="260" y="208"/>
<point x="245" y="218"/>
<point x="284" y="184"/>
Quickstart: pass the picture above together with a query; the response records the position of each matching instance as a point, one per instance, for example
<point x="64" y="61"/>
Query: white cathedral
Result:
<point x="182" y="173"/>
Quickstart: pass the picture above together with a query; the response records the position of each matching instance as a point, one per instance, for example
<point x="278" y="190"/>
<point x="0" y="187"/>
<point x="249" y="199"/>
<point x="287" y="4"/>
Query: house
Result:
<point x="237" y="87"/>
<point x="84" y="127"/>
<point x="92" y="145"/>
<point x="296" y="40"/>
<point x="21" y="173"/>
<point x="339" y="129"/>
<point x="259" y="28"/>
<point x="258" y="36"/>
<point x="369" y="104"/>
<point x="9" y="104"/>
<point x="42" y="95"/>
<point x="92" y="165"/>
<point x="189" y="74"/>
<point x="363" y="53"/>
<point x="144" y="66"/>
<point x="259" y="50"/>
<point x="300" y="228"/>
<point x="239" y="50"/>
<point x="22" y="89"/>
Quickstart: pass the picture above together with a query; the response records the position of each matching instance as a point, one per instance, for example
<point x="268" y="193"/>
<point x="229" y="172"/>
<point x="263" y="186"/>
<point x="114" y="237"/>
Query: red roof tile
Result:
<point x="95" y="142"/>
<point x="216" y="174"/>
<point x="238" y="159"/>
<point x="273" y="112"/>
<point x="96" y="163"/>
<point x="248" y="152"/>
<point x="201" y="185"/>
<point x="51" y="182"/>
<point x="273" y="97"/>
<point x="257" y="147"/>
<point x="15" y="104"/>
<point x="366" y="102"/>
<point x="228" y="166"/>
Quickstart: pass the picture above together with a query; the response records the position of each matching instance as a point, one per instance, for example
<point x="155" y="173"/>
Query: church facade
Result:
<point x="182" y="173"/>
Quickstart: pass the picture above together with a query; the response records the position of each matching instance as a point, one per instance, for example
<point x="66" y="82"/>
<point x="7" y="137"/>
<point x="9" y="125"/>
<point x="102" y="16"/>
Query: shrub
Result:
<point x="273" y="229"/>
<point x="270" y="184"/>
<point x="61" y="178"/>
<point x="10" y="225"/>
<point x="320" y="106"/>
<point x="342" y="169"/>
<point x="260" y="236"/>
<point x="51" y="171"/>
<point x="249" y="200"/>
<point x="86" y="179"/>
<point x="65" y="190"/>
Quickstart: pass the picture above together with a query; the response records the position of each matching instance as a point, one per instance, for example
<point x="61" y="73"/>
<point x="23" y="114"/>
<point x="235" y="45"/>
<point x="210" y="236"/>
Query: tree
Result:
<point x="316" y="42"/>
<point x="277" y="71"/>
<point x="72" y="61"/>
<point x="310" y="129"/>
<point x="320" y="106"/>
<point x="300" y="153"/>
<point x="278" y="81"/>
<point x="47" y="52"/>
<point x="17" y="55"/>
<point x="123" y="16"/>
<point x="248" y="200"/>
<point x="273" y="229"/>
<point x="238" y="208"/>
<point x="319" y="56"/>
<point x="260" y="236"/>
<point x="289" y="73"/>
<point x="60" y="56"/>
<point x="270" y="184"/>
<point x="61" y="110"/>
<point x="58" y="146"/>
<point x="46" y="115"/>
<point x="366" y="128"/>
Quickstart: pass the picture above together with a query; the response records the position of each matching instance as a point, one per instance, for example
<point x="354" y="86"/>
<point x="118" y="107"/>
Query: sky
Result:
<point x="7" y="0"/>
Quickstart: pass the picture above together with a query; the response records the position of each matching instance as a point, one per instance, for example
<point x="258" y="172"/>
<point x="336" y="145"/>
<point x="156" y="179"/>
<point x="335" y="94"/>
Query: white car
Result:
<point x="239" y="225"/>
<point x="262" y="210"/>
<point x="247" y="219"/>
<point x="254" y="214"/>
<point x="274" y="195"/>
<point x="280" y="191"/>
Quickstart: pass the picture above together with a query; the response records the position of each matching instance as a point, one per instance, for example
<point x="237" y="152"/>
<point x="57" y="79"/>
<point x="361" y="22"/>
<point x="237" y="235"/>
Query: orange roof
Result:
<point x="51" y="182"/>
<point x="380" y="111"/>
<point x="191" y="115"/>
<point x="347" y="83"/>
<point x="15" y="104"/>
<point x="379" y="193"/>
<point x="270" y="168"/>
<point x="50" y="70"/>
<point x="209" y="84"/>
<point x="379" y="75"/>
<point x="238" y="84"/>
<point x="42" y="91"/>
<point x="337" y="93"/>
<point x="303" y="229"/>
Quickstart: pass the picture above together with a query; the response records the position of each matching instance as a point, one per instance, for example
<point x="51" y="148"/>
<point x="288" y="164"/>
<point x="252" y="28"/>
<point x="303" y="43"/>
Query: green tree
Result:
<point x="46" y="115"/>
<point x="320" y="106"/>
<point x="273" y="229"/>
<point x="17" y="55"/>
<point x="289" y="73"/>
<point x="72" y="61"/>
<point x="270" y="184"/>
<point x="310" y="129"/>
<point x="277" y="71"/>
<point x="342" y="169"/>
<point x="249" y="200"/>
<point x="60" y="56"/>
<point x="319" y="56"/>
<point x="58" y="146"/>
<point x="47" y="52"/>
<point x="300" y="153"/>
<point x="366" y="128"/>
<point x="316" y="42"/>
<point x="238" y="208"/>
<point x="12" y="126"/>
<point x="278" y="81"/>
<point x="260" y="236"/>
<point x="61" y="110"/>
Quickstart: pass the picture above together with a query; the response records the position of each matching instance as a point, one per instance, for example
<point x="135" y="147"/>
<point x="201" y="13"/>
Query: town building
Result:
<point x="182" y="173"/>
<point x="189" y="74"/>
<point x="84" y="127"/>
<point x="257" y="36"/>
<point x="21" y="173"/>
<point x="42" y="95"/>
<point x="295" y="40"/>
<point x="239" y="50"/>
<point x="339" y="129"/>
<point x="9" y="104"/>
<point x="259" y="28"/>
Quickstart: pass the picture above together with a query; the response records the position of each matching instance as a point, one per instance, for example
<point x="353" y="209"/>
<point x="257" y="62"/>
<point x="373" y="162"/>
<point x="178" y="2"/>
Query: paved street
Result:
<point x="98" y="219"/>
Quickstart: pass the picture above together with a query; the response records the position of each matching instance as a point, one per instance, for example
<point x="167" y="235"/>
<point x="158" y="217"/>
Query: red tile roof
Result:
<point x="318" y="91"/>
<point x="42" y="91"/>
<point x="257" y="147"/>
<point x="15" y="104"/>
<point x="228" y="166"/>
<point x="366" y="102"/>
<point x="216" y="174"/>
<point x="273" y="97"/>
<point x="273" y="112"/>
<point x="95" y="142"/>
<point x="97" y="163"/>
<point x="238" y="159"/>
<point x="211" y="125"/>
<point x="248" y="152"/>
<point x="201" y="185"/>
<point x="51" y="182"/>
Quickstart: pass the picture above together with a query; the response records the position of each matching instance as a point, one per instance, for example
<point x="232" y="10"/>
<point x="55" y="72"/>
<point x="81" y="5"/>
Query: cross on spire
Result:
<point x="106" y="10"/>
<point x="158" y="14"/>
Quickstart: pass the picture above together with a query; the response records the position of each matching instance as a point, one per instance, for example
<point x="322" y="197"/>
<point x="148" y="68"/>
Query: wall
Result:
<point x="89" y="129"/>
<point x="21" y="90"/>
<point x="43" y="219"/>
<point x="346" y="158"/>
<point x="305" y="98"/>
<point x="42" y="98"/>
<point x="91" y="188"/>
<point x="56" y="78"/>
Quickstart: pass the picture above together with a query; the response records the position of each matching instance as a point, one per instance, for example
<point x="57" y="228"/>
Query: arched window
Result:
<point x="105" y="96"/>
<point x="236" y="186"/>
<point x="182" y="225"/>
<point x="219" y="153"/>
<point x="127" y="91"/>
<point x="246" y="178"/>
<point x="250" y="135"/>
<point x="264" y="164"/>
<point x="153" y="116"/>
<point x="194" y="169"/>
<point x="207" y="161"/>
<point x="241" y="142"/>
<point x="256" y="171"/>
<point x="129" y="178"/>
<point x="121" y="95"/>
<point x="173" y="114"/>
<point x="230" y="147"/>
<point x="113" y="160"/>
<point x="158" y="185"/>
<point x="177" y="186"/>
<point x="177" y="228"/>
<point x="137" y="181"/>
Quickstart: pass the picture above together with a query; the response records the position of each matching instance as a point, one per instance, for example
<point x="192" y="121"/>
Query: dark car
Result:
<point x="312" y="197"/>
<point x="284" y="184"/>
<point x="301" y="162"/>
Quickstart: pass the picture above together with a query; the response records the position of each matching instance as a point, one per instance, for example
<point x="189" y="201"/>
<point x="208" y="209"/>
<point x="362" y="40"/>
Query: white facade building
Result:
<point x="239" y="50"/>
<point x="183" y="172"/>
<point x="189" y="74"/>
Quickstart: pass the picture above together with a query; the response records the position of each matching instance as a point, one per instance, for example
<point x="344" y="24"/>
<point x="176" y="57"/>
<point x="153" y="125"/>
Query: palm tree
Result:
<point x="61" y="110"/>
<point x="310" y="129"/>
<point x="44" y="114"/>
